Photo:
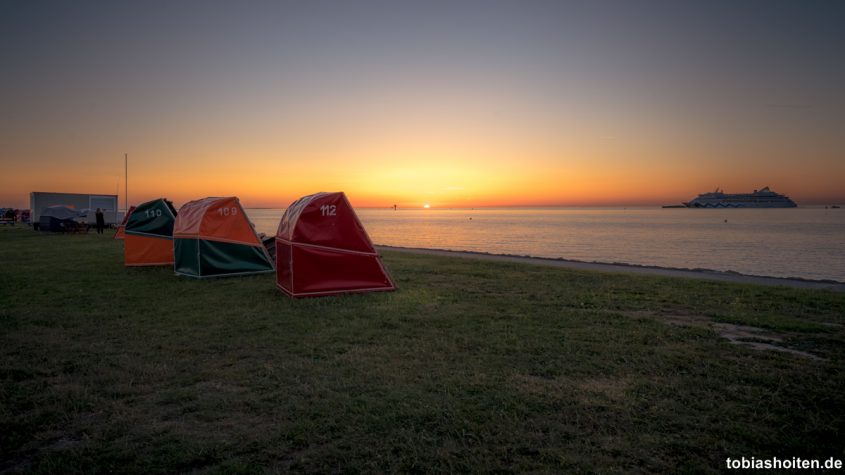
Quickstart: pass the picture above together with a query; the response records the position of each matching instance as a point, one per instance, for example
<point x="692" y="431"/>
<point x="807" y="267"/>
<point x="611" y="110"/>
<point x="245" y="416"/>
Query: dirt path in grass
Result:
<point x="742" y="335"/>
<point x="631" y="269"/>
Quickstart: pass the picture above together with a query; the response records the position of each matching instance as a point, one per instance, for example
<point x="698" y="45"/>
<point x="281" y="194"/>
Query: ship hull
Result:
<point x="740" y="205"/>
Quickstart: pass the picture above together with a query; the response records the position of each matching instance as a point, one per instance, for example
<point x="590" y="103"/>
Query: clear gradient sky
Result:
<point x="450" y="103"/>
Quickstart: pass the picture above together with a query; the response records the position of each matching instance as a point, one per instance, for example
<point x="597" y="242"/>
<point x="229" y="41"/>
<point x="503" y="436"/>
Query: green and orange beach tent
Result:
<point x="149" y="234"/>
<point x="213" y="238"/>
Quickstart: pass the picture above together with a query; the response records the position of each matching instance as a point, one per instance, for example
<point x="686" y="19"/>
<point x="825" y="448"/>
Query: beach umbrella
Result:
<point x="213" y="237"/>
<point x="58" y="218"/>
<point x="323" y="249"/>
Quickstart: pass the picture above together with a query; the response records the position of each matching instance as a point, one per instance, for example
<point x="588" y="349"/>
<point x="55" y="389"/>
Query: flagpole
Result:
<point x="126" y="182"/>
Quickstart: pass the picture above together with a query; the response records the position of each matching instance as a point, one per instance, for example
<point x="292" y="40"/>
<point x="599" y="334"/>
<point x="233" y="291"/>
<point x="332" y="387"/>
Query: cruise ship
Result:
<point x="764" y="198"/>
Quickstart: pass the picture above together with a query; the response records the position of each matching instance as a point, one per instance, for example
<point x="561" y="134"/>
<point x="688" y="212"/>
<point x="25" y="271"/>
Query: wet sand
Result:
<point x="704" y="274"/>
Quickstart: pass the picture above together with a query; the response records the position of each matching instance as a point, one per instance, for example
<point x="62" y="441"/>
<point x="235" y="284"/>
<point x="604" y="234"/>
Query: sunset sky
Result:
<point x="450" y="103"/>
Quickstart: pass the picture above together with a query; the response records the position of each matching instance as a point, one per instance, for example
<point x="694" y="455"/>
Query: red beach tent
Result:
<point x="322" y="249"/>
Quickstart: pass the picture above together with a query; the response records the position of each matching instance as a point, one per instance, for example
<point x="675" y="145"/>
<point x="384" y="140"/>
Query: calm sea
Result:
<point x="801" y="242"/>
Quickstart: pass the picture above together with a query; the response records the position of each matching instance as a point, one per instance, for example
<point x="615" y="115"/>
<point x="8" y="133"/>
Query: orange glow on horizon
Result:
<point x="454" y="174"/>
<point x="437" y="186"/>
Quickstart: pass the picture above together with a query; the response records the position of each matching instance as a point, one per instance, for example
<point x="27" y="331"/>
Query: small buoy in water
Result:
<point x="726" y="220"/>
<point x="470" y="219"/>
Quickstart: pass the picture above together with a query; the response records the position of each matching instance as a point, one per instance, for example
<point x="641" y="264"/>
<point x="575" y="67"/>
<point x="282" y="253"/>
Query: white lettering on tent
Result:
<point x="228" y="211"/>
<point x="152" y="213"/>
<point x="328" y="210"/>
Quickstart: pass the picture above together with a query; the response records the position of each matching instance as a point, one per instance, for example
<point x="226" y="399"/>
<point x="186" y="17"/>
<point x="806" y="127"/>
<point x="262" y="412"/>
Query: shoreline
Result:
<point x="701" y="274"/>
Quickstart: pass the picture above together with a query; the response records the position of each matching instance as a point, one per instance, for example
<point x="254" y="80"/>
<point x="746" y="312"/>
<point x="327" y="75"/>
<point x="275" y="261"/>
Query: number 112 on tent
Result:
<point x="328" y="210"/>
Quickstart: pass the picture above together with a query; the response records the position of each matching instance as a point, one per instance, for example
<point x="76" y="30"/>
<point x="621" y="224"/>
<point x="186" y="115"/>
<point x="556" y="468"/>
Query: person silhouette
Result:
<point x="101" y="222"/>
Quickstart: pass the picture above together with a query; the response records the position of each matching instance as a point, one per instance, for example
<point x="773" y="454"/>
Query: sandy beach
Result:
<point x="705" y="274"/>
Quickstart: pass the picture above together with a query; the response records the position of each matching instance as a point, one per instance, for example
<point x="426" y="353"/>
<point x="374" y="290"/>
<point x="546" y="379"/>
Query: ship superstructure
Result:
<point x="763" y="198"/>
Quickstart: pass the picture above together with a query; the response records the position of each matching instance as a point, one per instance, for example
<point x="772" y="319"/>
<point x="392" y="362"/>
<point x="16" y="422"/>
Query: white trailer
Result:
<point x="38" y="200"/>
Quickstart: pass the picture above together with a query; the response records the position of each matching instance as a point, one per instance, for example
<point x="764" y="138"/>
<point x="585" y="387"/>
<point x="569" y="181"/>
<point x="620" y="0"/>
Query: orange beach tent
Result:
<point x="149" y="234"/>
<point x="121" y="230"/>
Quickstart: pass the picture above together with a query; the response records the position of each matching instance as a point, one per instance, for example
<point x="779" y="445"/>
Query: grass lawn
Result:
<point x="470" y="366"/>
